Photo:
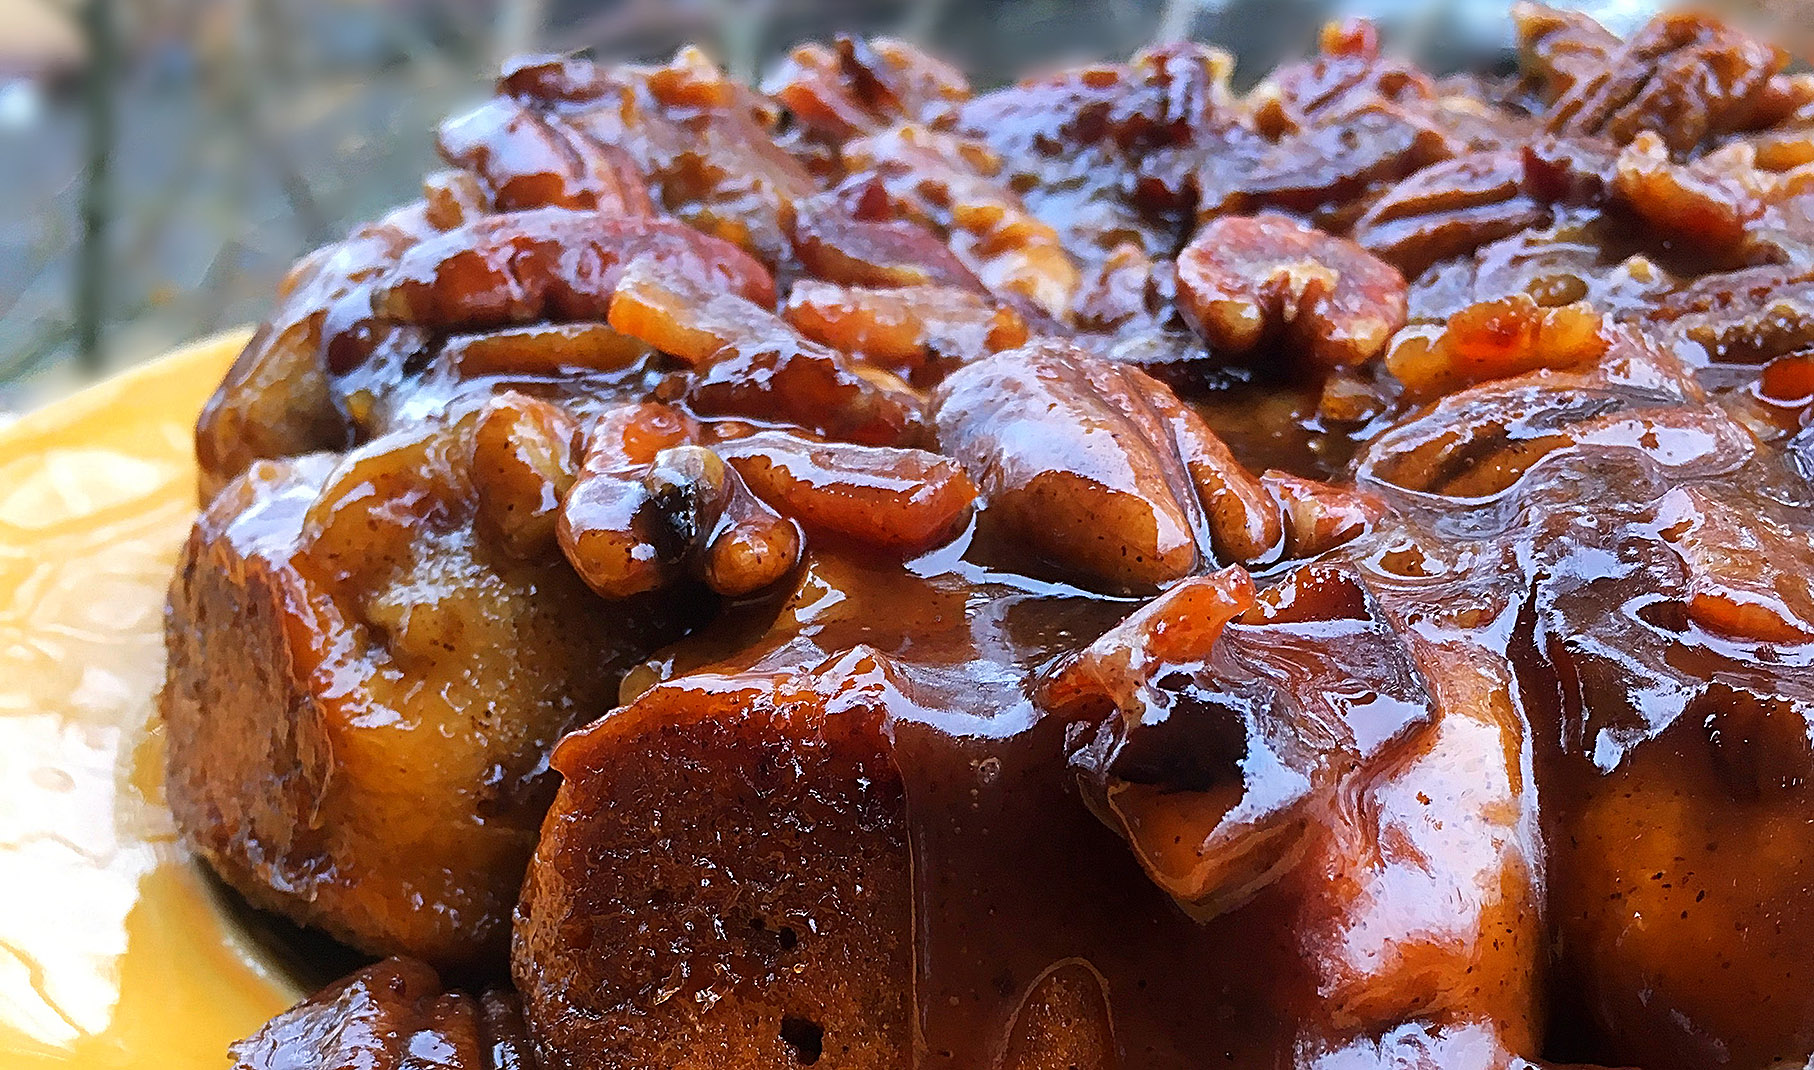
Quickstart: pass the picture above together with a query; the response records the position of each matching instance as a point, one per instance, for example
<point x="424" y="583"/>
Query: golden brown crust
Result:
<point x="249" y="753"/>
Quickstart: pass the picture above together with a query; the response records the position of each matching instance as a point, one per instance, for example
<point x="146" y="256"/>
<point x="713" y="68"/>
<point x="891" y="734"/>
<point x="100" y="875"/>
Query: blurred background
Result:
<point x="163" y="161"/>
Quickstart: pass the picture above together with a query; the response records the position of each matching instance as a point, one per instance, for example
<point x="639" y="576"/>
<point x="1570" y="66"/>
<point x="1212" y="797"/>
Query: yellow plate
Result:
<point x="114" y="951"/>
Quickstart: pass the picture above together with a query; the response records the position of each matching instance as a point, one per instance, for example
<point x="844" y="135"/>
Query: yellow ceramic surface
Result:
<point x="114" y="952"/>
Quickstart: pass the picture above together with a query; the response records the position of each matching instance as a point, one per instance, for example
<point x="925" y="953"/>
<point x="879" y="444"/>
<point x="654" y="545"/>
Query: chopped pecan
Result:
<point x="1494" y="340"/>
<point x="1561" y="50"/>
<point x="715" y="155"/>
<point x="662" y="496"/>
<point x="1071" y="463"/>
<point x="792" y="380"/>
<point x="1581" y="256"/>
<point x="558" y="79"/>
<point x="900" y="501"/>
<point x="608" y="526"/>
<point x="750" y="362"/>
<point x="683" y="319"/>
<point x="544" y="349"/>
<point x="1178" y="628"/>
<point x="1448" y="210"/>
<point x="1319" y="516"/>
<point x="700" y="141"/>
<point x="1244" y="520"/>
<point x="1346" y="77"/>
<point x="1725" y="205"/>
<point x="1479" y="443"/>
<point x="1334" y="131"/>
<point x="1099" y="468"/>
<point x="925" y="330"/>
<point x="1127" y="288"/>
<point x="1245" y="280"/>
<point x="1109" y="153"/>
<point x="1569" y="170"/>
<point x="953" y="184"/>
<point x="1783" y="148"/>
<point x="528" y="159"/>
<point x="1324" y="166"/>
<point x="1350" y="399"/>
<point x="1479" y="113"/>
<point x="837" y="245"/>
<point x="453" y="198"/>
<point x="735" y="542"/>
<point x="511" y="269"/>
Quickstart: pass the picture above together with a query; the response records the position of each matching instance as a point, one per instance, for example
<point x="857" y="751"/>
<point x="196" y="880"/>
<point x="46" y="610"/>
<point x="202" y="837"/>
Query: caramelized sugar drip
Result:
<point x="1109" y="572"/>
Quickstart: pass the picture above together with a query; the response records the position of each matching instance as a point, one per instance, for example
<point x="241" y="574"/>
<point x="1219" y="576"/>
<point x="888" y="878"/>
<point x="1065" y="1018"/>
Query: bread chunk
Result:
<point x="362" y="691"/>
<point x="725" y="883"/>
<point x="391" y="1016"/>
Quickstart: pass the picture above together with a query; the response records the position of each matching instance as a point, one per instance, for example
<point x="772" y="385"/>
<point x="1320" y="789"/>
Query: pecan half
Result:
<point x="1749" y="577"/>
<point x="1687" y="78"/>
<point x="900" y="501"/>
<point x="523" y="266"/>
<point x="1448" y="210"/>
<point x="650" y="507"/>
<point x="1099" y="469"/>
<point x="1246" y="280"/>
<point x="1741" y="317"/>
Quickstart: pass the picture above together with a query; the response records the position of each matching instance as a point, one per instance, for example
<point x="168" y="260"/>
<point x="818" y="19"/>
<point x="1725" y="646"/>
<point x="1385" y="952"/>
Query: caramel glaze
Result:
<point x="1473" y="733"/>
<point x="1404" y="912"/>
